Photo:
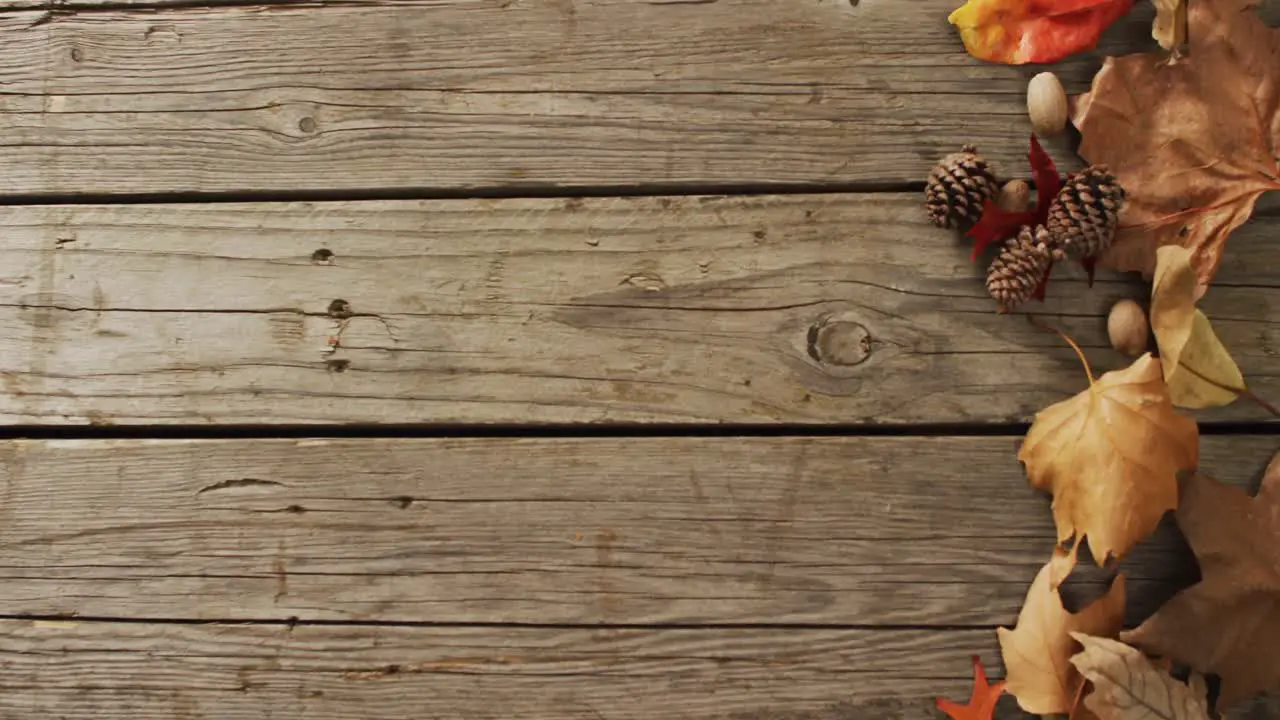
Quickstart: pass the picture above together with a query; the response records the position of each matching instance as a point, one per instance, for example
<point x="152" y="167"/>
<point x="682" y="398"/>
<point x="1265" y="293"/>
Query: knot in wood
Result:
<point x="837" y="341"/>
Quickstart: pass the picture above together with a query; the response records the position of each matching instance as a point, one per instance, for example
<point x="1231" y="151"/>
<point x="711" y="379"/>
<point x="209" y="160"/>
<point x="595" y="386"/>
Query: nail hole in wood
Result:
<point x="323" y="256"/>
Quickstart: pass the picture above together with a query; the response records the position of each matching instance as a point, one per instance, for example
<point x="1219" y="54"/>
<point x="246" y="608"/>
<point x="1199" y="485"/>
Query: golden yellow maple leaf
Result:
<point x="1110" y="456"/>
<point x="1037" y="652"/>
<point x="1127" y="686"/>
<point x="1197" y="367"/>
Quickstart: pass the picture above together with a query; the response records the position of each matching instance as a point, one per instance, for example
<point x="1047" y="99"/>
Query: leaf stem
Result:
<point x="1243" y="392"/>
<point x="1079" y="353"/>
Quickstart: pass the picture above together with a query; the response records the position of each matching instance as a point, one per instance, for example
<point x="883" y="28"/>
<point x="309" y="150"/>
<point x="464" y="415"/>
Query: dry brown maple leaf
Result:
<point x="1194" y="139"/>
<point x="1197" y="367"/>
<point x="1111" y="457"/>
<point x="1229" y="622"/>
<point x="1127" y="686"/>
<point x="1037" y="652"/>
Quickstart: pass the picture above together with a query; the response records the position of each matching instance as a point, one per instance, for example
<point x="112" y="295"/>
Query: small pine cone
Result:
<point x="957" y="188"/>
<point x="1084" y="215"/>
<point x="1018" y="269"/>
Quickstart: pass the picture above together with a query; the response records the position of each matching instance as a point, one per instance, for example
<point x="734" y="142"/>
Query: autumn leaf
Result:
<point x="1198" y="369"/>
<point x="1037" y="651"/>
<point x="1015" y="32"/>
<point x="1227" y="624"/>
<point x="1110" y="456"/>
<point x="998" y="224"/>
<point x="1127" y="686"/>
<point x="1192" y="139"/>
<point x="1170" y="26"/>
<point x="982" y="702"/>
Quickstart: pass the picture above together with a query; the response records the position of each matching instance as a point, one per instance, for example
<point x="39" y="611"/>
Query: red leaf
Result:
<point x="1048" y="182"/>
<point x="997" y="225"/>
<point x="1090" y="264"/>
<point x="982" y="703"/>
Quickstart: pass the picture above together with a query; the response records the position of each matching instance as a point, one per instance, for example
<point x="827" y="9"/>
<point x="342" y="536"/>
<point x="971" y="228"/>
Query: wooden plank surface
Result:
<point x="111" y="671"/>
<point x="107" y="671"/>
<point x="800" y="309"/>
<point x="844" y="531"/>
<point x="465" y="94"/>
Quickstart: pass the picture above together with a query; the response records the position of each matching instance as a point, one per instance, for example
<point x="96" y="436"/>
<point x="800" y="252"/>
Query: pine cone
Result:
<point x="1083" y="217"/>
<point x="1021" y="264"/>
<point x="957" y="188"/>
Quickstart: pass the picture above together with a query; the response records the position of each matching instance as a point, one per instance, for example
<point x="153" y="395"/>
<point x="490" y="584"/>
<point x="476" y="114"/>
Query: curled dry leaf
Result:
<point x="1170" y="26"/>
<point x="982" y="702"/>
<point x="1038" y="650"/>
<point x="1194" y="140"/>
<point x="1227" y="624"/>
<point x="1127" y="686"/>
<point x="1034" y="31"/>
<point x="1198" y="369"/>
<point x="1111" y="457"/>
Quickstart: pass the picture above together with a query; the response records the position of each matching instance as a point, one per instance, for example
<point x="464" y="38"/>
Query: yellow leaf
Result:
<point x="1127" y="686"/>
<point x="1110" y="456"/>
<point x="1036" y="653"/>
<point x="1170" y="26"/>
<point x="1198" y="369"/>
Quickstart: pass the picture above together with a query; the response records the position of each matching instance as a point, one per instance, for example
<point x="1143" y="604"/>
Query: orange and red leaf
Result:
<point x="982" y="703"/>
<point x="1016" y="32"/>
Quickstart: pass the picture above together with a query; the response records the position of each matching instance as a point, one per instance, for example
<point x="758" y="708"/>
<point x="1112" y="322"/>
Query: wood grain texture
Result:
<point x="465" y="94"/>
<point x="852" y="531"/>
<point x="799" y="309"/>
<point x="110" y="671"/>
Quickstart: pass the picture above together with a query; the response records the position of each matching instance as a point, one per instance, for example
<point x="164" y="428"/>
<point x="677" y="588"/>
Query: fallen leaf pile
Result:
<point x="1180" y="145"/>
<point x="1194" y="139"/>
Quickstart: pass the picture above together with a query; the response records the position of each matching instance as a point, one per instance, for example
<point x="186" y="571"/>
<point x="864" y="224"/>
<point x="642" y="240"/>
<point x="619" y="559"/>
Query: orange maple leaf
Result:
<point x="982" y="703"/>
<point x="1111" y="457"/>
<point x="1194" y="140"/>
<point x="1034" y="31"/>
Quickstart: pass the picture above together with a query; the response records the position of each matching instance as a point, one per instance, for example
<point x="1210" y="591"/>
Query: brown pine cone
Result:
<point x="1017" y="270"/>
<point x="1084" y="215"/>
<point x="957" y="188"/>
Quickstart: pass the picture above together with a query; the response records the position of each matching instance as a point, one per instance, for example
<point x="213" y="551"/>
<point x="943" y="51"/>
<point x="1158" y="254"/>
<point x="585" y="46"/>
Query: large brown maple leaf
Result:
<point x="1194" y="139"/>
<point x="1229" y="622"/>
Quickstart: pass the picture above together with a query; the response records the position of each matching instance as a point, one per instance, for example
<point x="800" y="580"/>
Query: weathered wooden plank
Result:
<point x="850" y="531"/>
<point x="805" y="309"/>
<point x="107" y="671"/>
<point x="110" y="671"/>
<point x="461" y="94"/>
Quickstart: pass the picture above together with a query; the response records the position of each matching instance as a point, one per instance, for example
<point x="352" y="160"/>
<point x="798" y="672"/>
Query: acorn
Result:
<point x="1015" y="196"/>
<point x="1127" y="328"/>
<point x="1047" y="104"/>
